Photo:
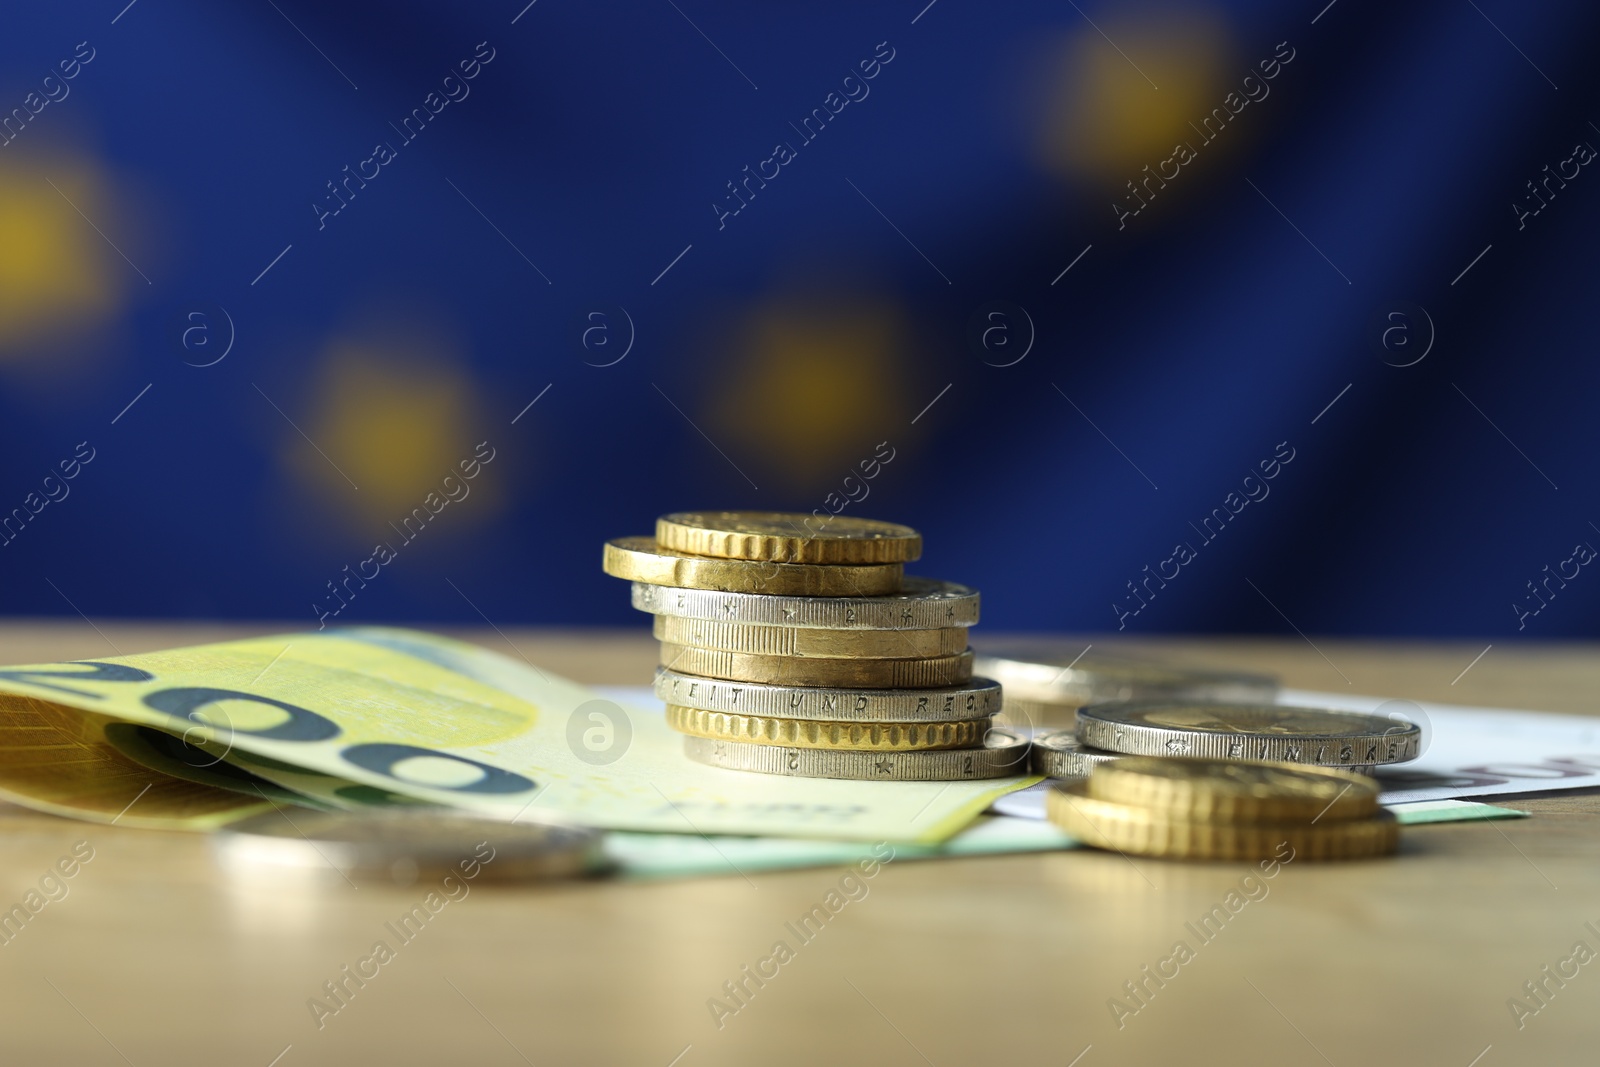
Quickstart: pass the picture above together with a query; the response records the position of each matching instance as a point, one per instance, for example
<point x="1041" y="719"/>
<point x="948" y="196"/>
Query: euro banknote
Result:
<point x="197" y="737"/>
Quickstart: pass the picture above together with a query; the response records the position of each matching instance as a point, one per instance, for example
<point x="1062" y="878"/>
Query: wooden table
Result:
<point x="157" y="957"/>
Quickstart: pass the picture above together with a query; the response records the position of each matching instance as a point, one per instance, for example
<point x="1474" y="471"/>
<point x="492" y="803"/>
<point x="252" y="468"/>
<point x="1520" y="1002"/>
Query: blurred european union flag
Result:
<point x="1204" y="317"/>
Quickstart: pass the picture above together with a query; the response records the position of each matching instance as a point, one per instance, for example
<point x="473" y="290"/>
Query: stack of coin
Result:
<point x="1045" y="683"/>
<point x="1218" y="809"/>
<point x="1273" y="732"/>
<point x="788" y="651"/>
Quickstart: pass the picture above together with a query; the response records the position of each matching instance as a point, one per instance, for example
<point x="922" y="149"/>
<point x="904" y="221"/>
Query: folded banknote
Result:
<point x="194" y="738"/>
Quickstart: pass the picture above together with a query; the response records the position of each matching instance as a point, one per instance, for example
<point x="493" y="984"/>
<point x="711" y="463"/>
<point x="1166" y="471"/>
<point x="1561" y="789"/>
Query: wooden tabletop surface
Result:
<point x="156" y="956"/>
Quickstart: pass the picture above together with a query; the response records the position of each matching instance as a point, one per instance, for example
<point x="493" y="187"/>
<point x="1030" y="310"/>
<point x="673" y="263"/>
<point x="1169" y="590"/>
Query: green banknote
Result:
<point x="197" y="737"/>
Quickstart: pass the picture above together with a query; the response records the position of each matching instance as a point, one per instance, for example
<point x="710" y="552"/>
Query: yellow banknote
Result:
<point x="347" y="717"/>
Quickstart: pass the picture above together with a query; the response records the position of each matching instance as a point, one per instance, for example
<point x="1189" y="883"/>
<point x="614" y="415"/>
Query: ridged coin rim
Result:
<point x="795" y="641"/>
<point x="642" y="560"/>
<point x="933" y="673"/>
<point x="976" y="699"/>
<point x="920" y="604"/>
<point x="1005" y="756"/>
<point x="1131" y="782"/>
<point x="826" y="734"/>
<point x="875" y="541"/>
<point x="1141" y="832"/>
<point x="1115" y="728"/>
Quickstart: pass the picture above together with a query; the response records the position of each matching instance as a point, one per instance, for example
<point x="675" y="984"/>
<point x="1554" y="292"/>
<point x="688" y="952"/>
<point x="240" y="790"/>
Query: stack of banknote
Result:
<point x="796" y="647"/>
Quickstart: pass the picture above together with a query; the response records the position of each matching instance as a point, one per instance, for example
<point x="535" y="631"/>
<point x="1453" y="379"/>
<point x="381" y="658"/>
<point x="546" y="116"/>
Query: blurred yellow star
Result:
<point x="393" y="414"/>
<point x="813" y="384"/>
<point x="1115" y="107"/>
<point x="57" y="275"/>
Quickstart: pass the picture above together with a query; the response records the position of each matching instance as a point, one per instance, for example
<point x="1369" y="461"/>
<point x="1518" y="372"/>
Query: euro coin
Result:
<point x="796" y="641"/>
<point x="1061" y="755"/>
<point x="1277" y="732"/>
<point x="1045" y="673"/>
<point x="1143" y="832"/>
<point x="1003" y="755"/>
<point x="977" y="699"/>
<point x="932" y="673"/>
<point x="1030" y="714"/>
<point x="405" y="844"/>
<point x="816" y="733"/>
<point x="640" y="559"/>
<point x="1234" y="791"/>
<point x="920" y="604"/>
<point x="788" y="537"/>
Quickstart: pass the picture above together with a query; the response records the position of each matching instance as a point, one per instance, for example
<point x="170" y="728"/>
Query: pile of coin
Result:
<point x="1221" y="809"/>
<point x="1045" y="683"/>
<point x="789" y="649"/>
<point x="1282" y="733"/>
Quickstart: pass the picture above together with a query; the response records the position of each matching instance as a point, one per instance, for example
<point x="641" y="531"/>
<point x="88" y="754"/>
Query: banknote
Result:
<point x="196" y="737"/>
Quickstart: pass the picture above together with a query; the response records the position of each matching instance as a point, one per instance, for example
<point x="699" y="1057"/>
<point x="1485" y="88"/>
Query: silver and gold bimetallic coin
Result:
<point x="1276" y="732"/>
<point x="977" y="699"/>
<point x="798" y="641"/>
<point x="1003" y="755"/>
<point x="931" y="673"/>
<point x="920" y="604"/>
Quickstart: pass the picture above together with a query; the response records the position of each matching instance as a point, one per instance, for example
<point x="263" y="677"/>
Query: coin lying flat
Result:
<point x="1230" y="790"/>
<point x="1276" y="732"/>
<point x="931" y="673"/>
<point x="1142" y="832"/>
<point x="640" y="559"/>
<point x="977" y="699"/>
<point x="920" y="604"/>
<point x="407" y="844"/>
<point x="1047" y="673"/>
<point x="817" y="733"/>
<point x="1061" y="755"/>
<point x="793" y="641"/>
<point x="790" y="537"/>
<point x="1034" y="715"/>
<point x="1003" y="755"/>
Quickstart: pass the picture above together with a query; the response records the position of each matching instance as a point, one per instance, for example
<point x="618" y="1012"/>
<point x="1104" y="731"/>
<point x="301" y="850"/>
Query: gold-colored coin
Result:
<point x="813" y="733"/>
<point x="1144" y="832"/>
<point x="641" y="559"/>
<point x="1235" y="791"/>
<point x="799" y="641"/>
<point x="932" y="673"/>
<point x="789" y="537"/>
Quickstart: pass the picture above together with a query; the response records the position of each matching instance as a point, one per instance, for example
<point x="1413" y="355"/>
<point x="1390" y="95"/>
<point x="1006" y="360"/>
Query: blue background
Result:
<point x="791" y="338"/>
